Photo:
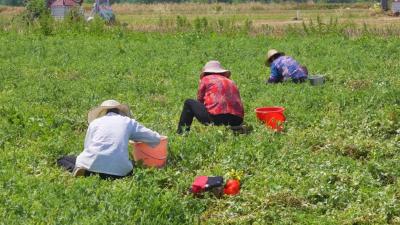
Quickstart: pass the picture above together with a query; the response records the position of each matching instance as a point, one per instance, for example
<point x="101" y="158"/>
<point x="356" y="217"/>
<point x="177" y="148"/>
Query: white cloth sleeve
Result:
<point x="143" y="134"/>
<point x="87" y="138"/>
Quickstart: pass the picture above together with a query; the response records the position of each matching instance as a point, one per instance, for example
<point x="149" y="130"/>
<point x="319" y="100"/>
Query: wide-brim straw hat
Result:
<point x="101" y="110"/>
<point x="214" y="66"/>
<point x="271" y="53"/>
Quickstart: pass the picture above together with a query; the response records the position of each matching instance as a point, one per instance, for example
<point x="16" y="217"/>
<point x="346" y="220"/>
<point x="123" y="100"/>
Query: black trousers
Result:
<point x="193" y="108"/>
<point x="68" y="163"/>
<point x="296" y="80"/>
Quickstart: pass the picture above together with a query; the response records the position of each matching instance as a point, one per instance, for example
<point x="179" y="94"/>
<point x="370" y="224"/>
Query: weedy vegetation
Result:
<point x="336" y="162"/>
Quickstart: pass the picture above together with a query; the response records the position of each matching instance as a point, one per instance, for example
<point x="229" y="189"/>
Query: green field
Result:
<point x="337" y="162"/>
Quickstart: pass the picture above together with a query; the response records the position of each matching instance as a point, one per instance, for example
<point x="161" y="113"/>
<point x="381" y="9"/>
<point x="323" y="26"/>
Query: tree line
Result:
<point x="12" y="2"/>
<point x="21" y="2"/>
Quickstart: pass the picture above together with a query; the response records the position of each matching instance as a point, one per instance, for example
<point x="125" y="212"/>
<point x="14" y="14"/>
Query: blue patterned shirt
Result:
<point x="286" y="67"/>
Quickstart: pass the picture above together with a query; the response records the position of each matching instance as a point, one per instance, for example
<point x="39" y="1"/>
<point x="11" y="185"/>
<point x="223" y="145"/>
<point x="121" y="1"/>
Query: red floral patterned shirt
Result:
<point x="220" y="95"/>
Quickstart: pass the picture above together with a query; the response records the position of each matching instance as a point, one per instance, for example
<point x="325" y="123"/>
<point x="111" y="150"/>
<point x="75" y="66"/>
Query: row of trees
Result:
<point x="12" y="2"/>
<point x="241" y="1"/>
<point x="21" y="2"/>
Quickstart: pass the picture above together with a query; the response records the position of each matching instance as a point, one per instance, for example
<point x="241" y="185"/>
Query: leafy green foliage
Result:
<point x="11" y="2"/>
<point x="329" y="3"/>
<point x="35" y="9"/>
<point x="337" y="162"/>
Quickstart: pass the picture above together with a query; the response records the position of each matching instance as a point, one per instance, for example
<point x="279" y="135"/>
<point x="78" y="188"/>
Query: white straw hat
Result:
<point x="101" y="110"/>
<point x="271" y="53"/>
<point x="214" y="67"/>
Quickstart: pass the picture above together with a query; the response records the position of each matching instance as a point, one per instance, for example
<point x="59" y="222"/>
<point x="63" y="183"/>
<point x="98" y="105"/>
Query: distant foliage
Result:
<point x="35" y="9"/>
<point x="235" y="1"/>
<point x="21" y="2"/>
<point x="12" y="2"/>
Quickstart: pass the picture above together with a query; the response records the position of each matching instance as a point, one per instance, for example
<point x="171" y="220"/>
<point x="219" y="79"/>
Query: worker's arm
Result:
<point x="275" y="76"/>
<point x="143" y="134"/>
<point x="202" y="91"/>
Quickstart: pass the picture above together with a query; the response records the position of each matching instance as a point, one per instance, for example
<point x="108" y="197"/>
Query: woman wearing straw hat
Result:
<point x="218" y="100"/>
<point x="106" y="144"/>
<point x="284" y="67"/>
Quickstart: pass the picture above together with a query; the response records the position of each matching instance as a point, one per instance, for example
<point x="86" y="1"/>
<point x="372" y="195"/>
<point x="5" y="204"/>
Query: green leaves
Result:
<point x="336" y="161"/>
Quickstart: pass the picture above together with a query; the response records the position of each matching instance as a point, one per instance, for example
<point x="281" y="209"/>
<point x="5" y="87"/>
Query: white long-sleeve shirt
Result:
<point x="106" y="144"/>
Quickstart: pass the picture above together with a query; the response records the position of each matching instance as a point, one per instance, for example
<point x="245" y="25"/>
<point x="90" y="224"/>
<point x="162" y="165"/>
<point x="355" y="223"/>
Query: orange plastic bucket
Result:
<point x="273" y="117"/>
<point x="151" y="157"/>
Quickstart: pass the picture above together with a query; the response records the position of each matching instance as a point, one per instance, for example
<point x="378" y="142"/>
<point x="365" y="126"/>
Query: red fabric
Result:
<point x="232" y="187"/>
<point x="199" y="184"/>
<point x="220" y="95"/>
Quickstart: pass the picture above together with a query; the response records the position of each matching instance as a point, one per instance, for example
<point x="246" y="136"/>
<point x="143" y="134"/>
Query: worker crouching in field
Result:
<point x="106" y="144"/>
<point x="284" y="67"/>
<point x="218" y="100"/>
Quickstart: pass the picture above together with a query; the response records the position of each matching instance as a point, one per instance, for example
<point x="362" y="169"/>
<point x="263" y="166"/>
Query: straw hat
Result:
<point x="271" y="53"/>
<point x="214" y="66"/>
<point x="101" y="110"/>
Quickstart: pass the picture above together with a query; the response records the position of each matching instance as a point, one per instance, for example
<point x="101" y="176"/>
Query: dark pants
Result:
<point x="193" y="108"/>
<point x="68" y="163"/>
<point x="295" y="80"/>
<point x="299" y="80"/>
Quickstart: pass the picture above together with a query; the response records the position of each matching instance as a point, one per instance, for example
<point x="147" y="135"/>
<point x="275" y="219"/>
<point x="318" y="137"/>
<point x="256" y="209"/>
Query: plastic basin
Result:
<point x="316" y="80"/>
<point x="272" y="117"/>
<point x="151" y="157"/>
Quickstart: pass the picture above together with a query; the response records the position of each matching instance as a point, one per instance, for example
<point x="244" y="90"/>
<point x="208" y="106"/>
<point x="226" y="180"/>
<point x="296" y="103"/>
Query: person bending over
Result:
<point x="284" y="67"/>
<point x="106" y="143"/>
<point x="218" y="100"/>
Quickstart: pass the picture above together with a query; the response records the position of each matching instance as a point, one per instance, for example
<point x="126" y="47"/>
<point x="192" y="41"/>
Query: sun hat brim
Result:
<point x="225" y="73"/>
<point x="215" y="70"/>
<point x="268" y="60"/>
<point x="100" y="111"/>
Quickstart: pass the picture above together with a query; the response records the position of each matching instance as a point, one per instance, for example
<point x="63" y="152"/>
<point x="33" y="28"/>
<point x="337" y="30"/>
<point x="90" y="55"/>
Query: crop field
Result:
<point x="336" y="162"/>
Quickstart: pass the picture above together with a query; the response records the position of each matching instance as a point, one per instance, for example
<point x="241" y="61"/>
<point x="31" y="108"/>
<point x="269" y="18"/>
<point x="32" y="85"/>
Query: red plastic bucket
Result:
<point x="151" y="157"/>
<point x="273" y="117"/>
